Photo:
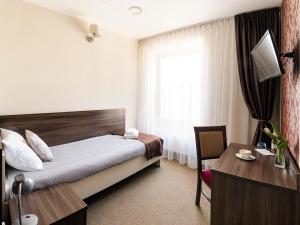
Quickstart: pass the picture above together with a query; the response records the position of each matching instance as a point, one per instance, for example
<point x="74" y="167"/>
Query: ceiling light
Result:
<point x="135" y="10"/>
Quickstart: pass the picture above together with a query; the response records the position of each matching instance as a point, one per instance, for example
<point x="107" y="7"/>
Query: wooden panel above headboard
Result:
<point x="64" y="127"/>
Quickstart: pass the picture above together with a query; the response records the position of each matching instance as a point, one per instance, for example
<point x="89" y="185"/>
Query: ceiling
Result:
<point x="158" y="15"/>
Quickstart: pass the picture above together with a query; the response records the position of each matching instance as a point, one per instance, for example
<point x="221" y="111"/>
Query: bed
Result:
<point x="96" y="135"/>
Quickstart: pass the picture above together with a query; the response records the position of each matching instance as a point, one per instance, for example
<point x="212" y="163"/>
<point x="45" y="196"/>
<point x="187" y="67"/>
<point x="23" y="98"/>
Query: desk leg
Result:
<point x="237" y="201"/>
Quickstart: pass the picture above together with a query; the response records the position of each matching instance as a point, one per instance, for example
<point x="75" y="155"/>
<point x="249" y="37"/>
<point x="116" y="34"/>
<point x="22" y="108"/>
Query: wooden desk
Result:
<point x="57" y="205"/>
<point x="252" y="192"/>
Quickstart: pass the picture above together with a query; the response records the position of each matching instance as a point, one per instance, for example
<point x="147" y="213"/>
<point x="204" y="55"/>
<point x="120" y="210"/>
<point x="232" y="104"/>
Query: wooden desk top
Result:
<point x="260" y="170"/>
<point x="50" y="205"/>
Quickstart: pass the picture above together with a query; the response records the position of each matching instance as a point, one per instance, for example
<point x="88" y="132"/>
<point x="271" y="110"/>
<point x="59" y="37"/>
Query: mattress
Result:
<point x="76" y="160"/>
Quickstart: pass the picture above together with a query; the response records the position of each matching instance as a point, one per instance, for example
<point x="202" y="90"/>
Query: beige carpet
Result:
<point x="155" y="196"/>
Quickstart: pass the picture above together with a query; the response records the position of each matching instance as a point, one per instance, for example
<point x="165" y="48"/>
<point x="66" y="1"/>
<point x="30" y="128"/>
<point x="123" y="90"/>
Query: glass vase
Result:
<point x="273" y="145"/>
<point x="279" y="159"/>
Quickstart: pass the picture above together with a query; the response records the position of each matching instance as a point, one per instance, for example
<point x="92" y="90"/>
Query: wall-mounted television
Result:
<point x="266" y="58"/>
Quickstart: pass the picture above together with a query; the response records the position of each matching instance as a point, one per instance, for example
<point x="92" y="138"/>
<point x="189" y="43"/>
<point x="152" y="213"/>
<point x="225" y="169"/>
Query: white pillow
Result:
<point x="20" y="156"/>
<point x="39" y="146"/>
<point x="5" y="133"/>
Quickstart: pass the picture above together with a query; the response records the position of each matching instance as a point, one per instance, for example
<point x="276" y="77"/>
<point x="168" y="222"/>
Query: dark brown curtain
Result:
<point x="259" y="97"/>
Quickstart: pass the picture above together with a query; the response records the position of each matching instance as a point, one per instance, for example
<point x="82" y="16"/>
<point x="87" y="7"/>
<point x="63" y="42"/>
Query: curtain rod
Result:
<point x="187" y="27"/>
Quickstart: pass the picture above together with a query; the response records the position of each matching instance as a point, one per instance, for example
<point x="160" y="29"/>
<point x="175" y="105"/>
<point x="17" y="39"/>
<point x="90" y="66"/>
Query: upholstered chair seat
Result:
<point x="206" y="176"/>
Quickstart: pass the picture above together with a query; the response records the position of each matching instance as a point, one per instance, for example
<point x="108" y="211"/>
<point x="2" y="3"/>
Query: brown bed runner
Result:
<point x="153" y="144"/>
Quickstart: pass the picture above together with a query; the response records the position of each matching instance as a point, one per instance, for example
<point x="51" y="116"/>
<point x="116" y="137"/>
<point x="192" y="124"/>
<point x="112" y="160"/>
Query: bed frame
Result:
<point x="64" y="127"/>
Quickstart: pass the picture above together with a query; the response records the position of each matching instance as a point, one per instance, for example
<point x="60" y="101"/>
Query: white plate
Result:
<point x="252" y="157"/>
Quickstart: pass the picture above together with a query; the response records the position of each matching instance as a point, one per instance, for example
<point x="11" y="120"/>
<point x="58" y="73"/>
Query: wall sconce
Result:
<point x="93" y="32"/>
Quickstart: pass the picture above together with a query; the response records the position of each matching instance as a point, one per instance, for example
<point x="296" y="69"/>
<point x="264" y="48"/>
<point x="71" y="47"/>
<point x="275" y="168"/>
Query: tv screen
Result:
<point x="266" y="58"/>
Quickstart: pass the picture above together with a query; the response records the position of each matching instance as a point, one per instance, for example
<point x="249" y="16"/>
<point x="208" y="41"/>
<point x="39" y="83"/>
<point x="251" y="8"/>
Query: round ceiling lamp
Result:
<point x="135" y="10"/>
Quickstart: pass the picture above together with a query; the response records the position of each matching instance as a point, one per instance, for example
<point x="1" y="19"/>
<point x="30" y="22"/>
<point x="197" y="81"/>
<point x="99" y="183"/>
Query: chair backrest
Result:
<point x="210" y="142"/>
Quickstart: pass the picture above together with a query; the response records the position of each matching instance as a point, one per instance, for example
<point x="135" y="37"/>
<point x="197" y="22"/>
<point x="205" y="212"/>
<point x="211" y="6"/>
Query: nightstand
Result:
<point x="57" y="205"/>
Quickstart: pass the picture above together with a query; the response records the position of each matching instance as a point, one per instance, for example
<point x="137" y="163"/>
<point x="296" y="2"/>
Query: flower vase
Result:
<point x="279" y="159"/>
<point x="273" y="145"/>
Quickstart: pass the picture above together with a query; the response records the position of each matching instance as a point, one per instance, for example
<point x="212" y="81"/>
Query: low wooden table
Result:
<point x="55" y="205"/>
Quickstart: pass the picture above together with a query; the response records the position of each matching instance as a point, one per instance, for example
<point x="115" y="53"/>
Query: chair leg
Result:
<point x="198" y="191"/>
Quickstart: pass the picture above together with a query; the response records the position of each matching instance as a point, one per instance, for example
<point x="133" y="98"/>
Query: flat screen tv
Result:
<point x="266" y="58"/>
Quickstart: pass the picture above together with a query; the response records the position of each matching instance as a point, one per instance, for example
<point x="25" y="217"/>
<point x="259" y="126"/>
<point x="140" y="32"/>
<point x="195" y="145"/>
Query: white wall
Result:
<point x="46" y="65"/>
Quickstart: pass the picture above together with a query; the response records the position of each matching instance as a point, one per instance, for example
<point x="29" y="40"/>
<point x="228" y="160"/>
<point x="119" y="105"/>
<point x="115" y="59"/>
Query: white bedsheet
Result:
<point x="76" y="160"/>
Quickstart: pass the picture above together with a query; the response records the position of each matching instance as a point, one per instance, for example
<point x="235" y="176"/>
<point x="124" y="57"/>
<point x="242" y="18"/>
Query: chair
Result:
<point x="211" y="143"/>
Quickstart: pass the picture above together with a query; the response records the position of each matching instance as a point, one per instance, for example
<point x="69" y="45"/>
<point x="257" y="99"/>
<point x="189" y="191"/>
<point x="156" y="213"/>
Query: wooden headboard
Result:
<point x="63" y="127"/>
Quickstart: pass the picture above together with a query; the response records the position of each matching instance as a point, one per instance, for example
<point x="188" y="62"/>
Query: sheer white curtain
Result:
<point x="189" y="78"/>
